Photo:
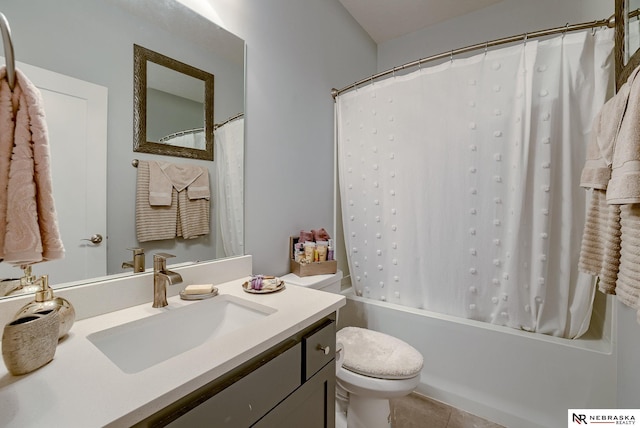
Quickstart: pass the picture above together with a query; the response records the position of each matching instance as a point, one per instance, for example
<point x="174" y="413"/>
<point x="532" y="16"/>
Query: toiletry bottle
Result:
<point x="321" y="248"/>
<point x="330" y="250"/>
<point x="298" y="252"/>
<point x="309" y="251"/>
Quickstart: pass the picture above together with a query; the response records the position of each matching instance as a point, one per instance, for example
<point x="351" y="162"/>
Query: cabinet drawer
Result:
<point x="319" y="348"/>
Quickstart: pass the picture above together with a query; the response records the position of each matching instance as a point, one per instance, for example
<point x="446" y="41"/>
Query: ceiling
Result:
<point x="387" y="19"/>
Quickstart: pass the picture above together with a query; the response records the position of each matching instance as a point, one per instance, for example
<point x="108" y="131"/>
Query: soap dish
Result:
<point x="272" y="288"/>
<point x="185" y="296"/>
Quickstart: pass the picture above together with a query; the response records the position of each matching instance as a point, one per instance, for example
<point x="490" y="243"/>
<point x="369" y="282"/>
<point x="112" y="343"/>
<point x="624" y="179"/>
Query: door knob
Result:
<point x="95" y="239"/>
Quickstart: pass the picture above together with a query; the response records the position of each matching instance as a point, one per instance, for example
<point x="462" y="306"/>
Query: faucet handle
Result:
<point x="160" y="261"/>
<point x="136" y="251"/>
<point x="164" y="256"/>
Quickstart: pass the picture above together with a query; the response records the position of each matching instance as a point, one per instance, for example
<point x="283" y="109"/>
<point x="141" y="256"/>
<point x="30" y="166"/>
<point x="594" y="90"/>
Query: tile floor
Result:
<point x="418" y="411"/>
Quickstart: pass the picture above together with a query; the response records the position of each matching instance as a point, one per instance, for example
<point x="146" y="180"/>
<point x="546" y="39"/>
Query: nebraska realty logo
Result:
<point x="578" y="417"/>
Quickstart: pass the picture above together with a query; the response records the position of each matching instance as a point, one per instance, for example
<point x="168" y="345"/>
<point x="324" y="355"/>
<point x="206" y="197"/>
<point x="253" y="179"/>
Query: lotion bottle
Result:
<point x="330" y="250"/>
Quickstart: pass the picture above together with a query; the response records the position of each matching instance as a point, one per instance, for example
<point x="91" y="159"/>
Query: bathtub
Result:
<point x="511" y="377"/>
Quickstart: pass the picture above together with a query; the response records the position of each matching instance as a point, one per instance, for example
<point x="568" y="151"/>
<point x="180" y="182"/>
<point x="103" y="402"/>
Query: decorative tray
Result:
<point x="261" y="284"/>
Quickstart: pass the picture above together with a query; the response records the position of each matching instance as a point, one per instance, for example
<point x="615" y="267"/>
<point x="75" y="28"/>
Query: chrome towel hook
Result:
<point x="8" y="51"/>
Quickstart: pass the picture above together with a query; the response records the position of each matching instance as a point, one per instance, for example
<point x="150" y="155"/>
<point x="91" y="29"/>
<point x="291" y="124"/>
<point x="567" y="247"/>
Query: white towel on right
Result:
<point x="166" y="176"/>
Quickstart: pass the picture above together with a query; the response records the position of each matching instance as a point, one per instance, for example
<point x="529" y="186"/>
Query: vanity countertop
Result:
<point x="81" y="387"/>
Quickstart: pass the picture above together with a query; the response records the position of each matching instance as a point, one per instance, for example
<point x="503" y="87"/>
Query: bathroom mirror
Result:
<point x="627" y="47"/>
<point x="172" y="106"/>
<point x="93" y="41"/>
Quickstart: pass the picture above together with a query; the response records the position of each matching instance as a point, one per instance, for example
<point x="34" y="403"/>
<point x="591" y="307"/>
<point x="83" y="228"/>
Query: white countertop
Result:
<point x="81" y="387"/>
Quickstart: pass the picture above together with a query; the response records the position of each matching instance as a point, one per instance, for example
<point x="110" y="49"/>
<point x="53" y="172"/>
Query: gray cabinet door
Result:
<point x="244" y="402"/>
<point x="311" y="406"/>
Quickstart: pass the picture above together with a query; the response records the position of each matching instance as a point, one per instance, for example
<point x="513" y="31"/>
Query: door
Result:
<point x="76" y="113"/>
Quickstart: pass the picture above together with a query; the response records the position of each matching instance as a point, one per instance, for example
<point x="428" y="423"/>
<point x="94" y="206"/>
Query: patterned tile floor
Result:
<point x="418" y="411"/>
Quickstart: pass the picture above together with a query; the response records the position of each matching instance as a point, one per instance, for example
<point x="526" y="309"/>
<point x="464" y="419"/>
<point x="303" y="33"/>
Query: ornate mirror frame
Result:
<point x="140" y="144"/>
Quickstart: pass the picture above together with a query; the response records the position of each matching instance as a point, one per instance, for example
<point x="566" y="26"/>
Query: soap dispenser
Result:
<point x="28" y="282"/>
<point x="46" y="302"/>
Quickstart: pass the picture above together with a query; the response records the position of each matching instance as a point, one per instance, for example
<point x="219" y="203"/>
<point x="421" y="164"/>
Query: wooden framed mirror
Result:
<point x="627" y="40"/>
<point x="172" y="107"/>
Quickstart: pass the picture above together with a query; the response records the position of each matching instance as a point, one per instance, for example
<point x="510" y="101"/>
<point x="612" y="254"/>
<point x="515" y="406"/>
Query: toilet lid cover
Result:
<point x="379" y="355"/>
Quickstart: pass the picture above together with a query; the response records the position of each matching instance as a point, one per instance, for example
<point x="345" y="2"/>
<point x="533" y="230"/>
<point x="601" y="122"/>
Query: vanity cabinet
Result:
<point x="290" y="385"/>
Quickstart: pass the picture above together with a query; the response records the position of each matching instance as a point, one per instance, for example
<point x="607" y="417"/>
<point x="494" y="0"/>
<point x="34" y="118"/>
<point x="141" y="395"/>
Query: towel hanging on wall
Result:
<point x="28" y="220"/>
<point x="611" y="238"/>
<point x="166" y="213"/>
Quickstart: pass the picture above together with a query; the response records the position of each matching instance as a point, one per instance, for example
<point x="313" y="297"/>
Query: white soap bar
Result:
<point x="198" y="289"/>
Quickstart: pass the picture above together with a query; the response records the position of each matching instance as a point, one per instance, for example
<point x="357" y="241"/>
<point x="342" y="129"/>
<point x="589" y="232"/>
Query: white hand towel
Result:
<point x="181" y="176"/>
<point x="199" y="189"/>
<point x="160" y="186"/>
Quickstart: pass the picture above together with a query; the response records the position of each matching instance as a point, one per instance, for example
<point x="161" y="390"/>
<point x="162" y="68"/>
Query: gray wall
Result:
<point x="503" y="19"/>
<point x="296" y="52"/>
<point x="168" y="113"/>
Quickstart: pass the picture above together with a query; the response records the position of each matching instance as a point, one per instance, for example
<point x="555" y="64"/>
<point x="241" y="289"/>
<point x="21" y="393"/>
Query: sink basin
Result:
<point x="140" y="344"/>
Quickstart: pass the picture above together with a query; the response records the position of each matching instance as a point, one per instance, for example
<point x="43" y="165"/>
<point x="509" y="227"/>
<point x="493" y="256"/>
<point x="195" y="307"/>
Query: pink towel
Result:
<point x="28" y="221"/>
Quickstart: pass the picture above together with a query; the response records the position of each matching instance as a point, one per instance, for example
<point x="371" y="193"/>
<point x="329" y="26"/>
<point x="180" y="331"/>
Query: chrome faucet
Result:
<point x="161" y="277"/>
<point x="137" y="264"/>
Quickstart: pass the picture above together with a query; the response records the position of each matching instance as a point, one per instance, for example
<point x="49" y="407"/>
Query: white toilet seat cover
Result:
<point x="379" y="355"/>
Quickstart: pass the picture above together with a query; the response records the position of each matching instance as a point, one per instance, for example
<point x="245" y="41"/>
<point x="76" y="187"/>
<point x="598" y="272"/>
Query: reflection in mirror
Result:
<point x="632" y="24"/>
<point x="627" y="49"/>
<point x="175" y="117"/>
<point x="173" y="107"/>
<point x="103" y="58"/>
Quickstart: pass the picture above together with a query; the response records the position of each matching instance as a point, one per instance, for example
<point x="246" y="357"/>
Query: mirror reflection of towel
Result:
<point x="179" y="215"/>
<point x="163" y="176"/>
<point x="153" y="223"/>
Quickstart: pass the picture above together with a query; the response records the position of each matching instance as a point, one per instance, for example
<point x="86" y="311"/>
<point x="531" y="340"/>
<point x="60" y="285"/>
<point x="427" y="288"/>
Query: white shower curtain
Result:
<point x="459" y="183"/>
<point x="229" y="158"/>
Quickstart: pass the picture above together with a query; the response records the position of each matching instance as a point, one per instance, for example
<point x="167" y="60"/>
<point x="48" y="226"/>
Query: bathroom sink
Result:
<point x="140" y="344"/>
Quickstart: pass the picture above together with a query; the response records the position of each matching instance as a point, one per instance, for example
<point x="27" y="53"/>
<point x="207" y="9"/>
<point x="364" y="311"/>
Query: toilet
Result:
<point x="373" y="368"/>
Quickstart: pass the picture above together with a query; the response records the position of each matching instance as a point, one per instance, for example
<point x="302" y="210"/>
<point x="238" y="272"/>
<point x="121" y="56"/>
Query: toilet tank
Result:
<point x="329" y="282"/>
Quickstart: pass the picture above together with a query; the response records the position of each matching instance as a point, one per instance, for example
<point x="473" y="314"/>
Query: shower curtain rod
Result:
<point x="610" y="22"/>
<point x="231" y="119"/>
